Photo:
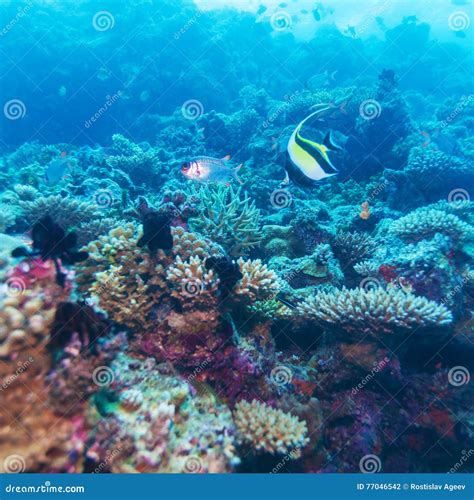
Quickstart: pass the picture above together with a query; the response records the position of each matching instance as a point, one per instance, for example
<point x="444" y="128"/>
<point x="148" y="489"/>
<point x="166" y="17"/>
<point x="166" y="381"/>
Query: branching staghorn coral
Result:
<point x="374" y="310"/>
<point x="425" y="223"/>
<point x="366" y="268"/>
<point x="353" y="247"/>
<point x="228" y="218"/>
<point x="267" y="429"/>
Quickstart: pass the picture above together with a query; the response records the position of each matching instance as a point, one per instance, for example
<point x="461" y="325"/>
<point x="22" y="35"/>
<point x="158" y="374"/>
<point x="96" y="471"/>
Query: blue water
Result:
<point x="107" y="103"/>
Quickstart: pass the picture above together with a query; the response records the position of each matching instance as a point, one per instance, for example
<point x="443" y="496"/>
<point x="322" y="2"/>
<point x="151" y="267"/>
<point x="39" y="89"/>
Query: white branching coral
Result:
<point x="190" y="279"/>
<point x="374" y="310"/>
<point x="422" y="223"/>
<point x="267" y="429"/>
<point x="229" y="218"/>
<point x="258" y="282"/>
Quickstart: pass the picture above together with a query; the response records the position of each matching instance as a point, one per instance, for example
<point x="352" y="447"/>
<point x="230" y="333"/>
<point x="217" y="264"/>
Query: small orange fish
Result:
<point x="365" y="212"/>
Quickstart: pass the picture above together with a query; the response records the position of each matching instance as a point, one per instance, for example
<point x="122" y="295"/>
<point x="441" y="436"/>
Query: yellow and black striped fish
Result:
<point x="309" y="159"/>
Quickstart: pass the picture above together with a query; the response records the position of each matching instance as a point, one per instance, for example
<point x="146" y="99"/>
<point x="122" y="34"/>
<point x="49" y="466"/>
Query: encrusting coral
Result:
<point x="375" y="310"/>
<point x="267" y="429"/>
<point x="158" y="425"/>
<point x="28" y="304"/>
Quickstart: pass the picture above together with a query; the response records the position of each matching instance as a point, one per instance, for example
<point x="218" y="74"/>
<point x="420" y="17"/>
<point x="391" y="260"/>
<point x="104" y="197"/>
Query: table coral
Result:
<point x="375" y="310"/>
<point x="425" y="223"/>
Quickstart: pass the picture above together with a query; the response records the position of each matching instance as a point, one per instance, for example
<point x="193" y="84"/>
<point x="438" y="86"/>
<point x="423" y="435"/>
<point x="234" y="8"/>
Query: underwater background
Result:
<point x="195" y="278"/>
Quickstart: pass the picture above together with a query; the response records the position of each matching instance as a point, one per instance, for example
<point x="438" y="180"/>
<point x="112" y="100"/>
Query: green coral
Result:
<point x="228" y="217"/>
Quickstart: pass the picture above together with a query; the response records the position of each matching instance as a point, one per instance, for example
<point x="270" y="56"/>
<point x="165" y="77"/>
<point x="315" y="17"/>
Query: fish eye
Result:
<point x="185" y="166"/>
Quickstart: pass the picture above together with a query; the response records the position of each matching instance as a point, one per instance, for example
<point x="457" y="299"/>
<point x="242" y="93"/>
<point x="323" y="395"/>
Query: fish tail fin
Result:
<point x="235" y="173"/>
<point x="329" y="142"/>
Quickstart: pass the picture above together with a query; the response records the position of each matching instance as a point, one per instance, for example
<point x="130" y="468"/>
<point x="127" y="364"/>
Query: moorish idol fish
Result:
<point x="309" y="159"/>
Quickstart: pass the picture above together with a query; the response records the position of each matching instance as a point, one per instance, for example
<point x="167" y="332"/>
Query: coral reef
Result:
<point x="157" y="425"/>
<point x="268" y="429"/>
<point x="153" y="324"/>
<point x="425" y="223"/>
<point x="228" y="218"/>
<point x="375" y="310"/>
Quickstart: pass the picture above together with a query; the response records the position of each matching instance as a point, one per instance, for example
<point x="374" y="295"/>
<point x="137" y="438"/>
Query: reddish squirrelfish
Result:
<point x="207" y="169"/>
